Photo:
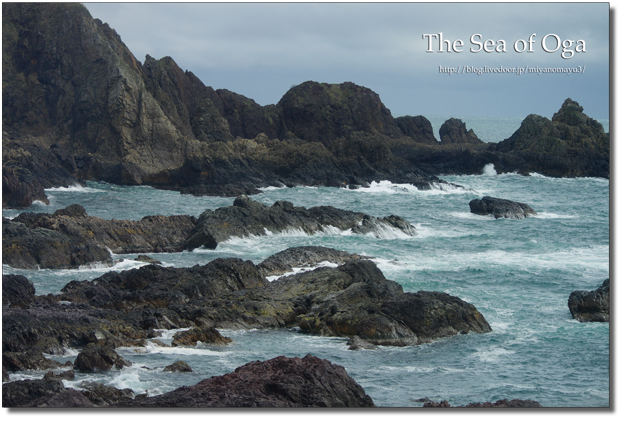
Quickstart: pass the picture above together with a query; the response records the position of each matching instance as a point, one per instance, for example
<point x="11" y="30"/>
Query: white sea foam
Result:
<point x="492" y="355"/>
<point x="489" y="170"/>
<point x="550" y="215"/>
<point x="387" y="187"/>
<point x="74" y="188"/>
<point x="303" y="269"/>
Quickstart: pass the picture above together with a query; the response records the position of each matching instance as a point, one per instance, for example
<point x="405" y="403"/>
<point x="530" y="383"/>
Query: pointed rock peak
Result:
<point x="571" y="113"/>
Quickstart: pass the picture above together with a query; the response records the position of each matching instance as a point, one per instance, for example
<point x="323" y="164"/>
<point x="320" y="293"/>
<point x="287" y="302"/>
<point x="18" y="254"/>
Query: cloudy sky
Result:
<point x="261" y="50"/>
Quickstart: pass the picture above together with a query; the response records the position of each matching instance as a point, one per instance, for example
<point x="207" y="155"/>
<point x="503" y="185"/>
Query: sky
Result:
<point x="261" y="50"/>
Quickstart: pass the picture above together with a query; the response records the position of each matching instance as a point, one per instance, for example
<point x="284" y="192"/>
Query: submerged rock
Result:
<point x="592" y="306"/>
<point x="502" y="403"/>
<point x="279" y="382"/>
<point x="500" y="208"/>
<point x="179" y="366"/>
<point x="203" y="334"/>
<point x="247" y="217"/>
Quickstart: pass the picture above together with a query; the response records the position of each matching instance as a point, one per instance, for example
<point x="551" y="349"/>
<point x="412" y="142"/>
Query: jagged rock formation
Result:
<point x="590" y="306"/>
<point x="279" y="382"/>
<point x="571" y="144"/>
<point x="99" y="358"/>
<point x="500" y="208"/>
<point x="70" y="238"/>
<point x="454" y="131"/>
<point x="247" y="217"/>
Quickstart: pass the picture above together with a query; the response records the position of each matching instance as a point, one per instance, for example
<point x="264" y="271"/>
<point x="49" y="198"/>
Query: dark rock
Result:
<point x="247" y="217"/>
<point x="99" y="358"/>
<point x="226" y="190"/>
<point x="500" y="208"/>
<point x="432" y="315"/>
<point x="50" y="327"/>
<point x="204" y="334"/>
<point x="23" y="392"/>
<point x="304" y="256"/>
<point x="571" y="144"/>
<point x="322" y="112"/>
<point x="356" y="343"/>
<point x="592" y="306"/>
<point x="454" y="131"/>
<point x="68" y="398"/>
<point x="418" y="128"/>
<point x="102" y="395"/>
<point x="17" y="291"/>
<point x="65" y="375"/>
<point x="179" y="366"/>
<point x="279" y="382"/>
<point x="502" y="403"/>
<point x="161" y="287"/>
<point x="147" y="259"/>
<point x="5" y="375"/>
<point x="32" y="359"/>
<point x="70" y="238"/>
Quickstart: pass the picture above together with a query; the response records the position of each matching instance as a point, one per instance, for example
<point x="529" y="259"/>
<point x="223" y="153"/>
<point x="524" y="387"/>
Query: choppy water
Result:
<point x="518" y="273"/>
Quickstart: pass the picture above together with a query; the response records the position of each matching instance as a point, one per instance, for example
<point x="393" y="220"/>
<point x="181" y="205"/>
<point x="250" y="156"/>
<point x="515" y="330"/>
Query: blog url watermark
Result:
<point x="517" y="70"/>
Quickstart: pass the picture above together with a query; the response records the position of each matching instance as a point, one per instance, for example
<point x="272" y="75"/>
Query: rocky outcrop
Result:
<point x="571" y="144"/>
<point x="500" y="208"/>
<point x="247" y="217"/>
<point x="32" y="359"/>
<point x="590" y="306"/>
<point x="417" y="128"/>
<point x="502" y="403"/>
<point x="203" y="334"/>
<point x="17" y="291"/>
<point x="163" y="287"/>
<point x="179" y="366"/>
<point x="51" y="327"/>
<point x="323" y="112"/>
<point x="454" y="131"/>
<point x="304" y="256"/>
<point x="70" y="238"/>
<point x="99" y="358"/>
<point x="279" y="382"/>
<point x="24" y="393"/>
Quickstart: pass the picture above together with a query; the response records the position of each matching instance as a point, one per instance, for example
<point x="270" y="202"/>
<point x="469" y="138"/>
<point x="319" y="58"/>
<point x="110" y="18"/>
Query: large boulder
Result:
<point x="203" y="334"/>
<point x="95" y="358"/>
<point x="590" y="306"/>
<point x="279" y="382"/>
<point x="17" y="291"/>
<point x="247" y="217"/>
<point x="500" y="208"/>
<point x="454" y="131"/>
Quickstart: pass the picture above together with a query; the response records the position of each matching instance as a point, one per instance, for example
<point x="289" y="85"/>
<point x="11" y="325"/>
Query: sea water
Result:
<point x="518" y="274"/>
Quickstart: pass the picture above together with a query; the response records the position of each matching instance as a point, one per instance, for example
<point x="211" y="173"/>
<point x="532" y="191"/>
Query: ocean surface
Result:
<point x="518" y="274"/>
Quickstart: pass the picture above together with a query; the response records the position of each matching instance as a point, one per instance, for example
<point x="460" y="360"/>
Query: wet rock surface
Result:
<point x="247" y="217"/>
<point x="590" y="306"/>
<point x="304" y="256"/>
<point x="279" y="382"/>
<point x="99" y="358"/>
<point x="502" y="403"/>
<point x="500" y="208"/>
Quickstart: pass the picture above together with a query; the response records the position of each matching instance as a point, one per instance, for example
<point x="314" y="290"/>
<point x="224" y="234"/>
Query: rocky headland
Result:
<point x="78" y="106"/>
<point x="590" y="306"/>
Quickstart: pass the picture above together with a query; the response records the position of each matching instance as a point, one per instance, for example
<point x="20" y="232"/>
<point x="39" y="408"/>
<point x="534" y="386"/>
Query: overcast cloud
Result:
<point x="261" y="50"/>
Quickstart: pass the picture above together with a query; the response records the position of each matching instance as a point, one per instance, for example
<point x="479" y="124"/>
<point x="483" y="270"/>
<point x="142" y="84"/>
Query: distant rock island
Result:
<point x="78" y="106"/>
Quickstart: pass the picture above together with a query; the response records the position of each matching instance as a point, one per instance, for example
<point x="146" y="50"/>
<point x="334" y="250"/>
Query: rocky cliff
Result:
<point x="77" y="105"/>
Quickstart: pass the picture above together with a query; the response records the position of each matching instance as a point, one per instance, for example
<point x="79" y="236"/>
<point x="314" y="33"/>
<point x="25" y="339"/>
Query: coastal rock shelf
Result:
<point x="70" y="238"/>
<point x="500" y="208"/>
